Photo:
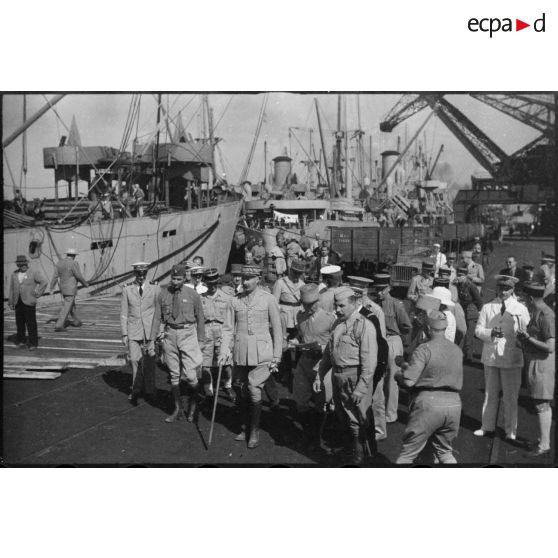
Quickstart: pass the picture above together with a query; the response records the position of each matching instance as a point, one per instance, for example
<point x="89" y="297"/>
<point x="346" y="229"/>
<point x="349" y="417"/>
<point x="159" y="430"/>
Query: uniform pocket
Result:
<point x="265" y="350"/>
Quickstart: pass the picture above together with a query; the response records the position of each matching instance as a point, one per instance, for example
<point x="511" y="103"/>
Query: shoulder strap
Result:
<point x="292" y="292"/>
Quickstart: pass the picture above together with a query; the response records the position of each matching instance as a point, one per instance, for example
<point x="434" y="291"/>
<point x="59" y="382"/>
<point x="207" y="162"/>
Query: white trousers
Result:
<point x="509" y="381"/>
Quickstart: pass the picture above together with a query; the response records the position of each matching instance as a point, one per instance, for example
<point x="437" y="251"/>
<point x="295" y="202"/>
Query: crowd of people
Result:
<point x="345" y="346"/>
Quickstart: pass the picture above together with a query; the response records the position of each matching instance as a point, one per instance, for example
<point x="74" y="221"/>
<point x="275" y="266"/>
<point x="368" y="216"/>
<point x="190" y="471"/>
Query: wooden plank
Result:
<point x="37" y="367"/>
<point x="24" y="375"/>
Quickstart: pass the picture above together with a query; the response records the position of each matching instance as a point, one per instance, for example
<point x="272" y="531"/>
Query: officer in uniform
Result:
<point x="332" y="275"/>
<point x="539" y="344"/>
<point x="397" y="324"/>
<point x="421" y="283"/>
<point x="352" y="353"/>
<point x="253" y="328"/>
<point x="68" y="273"/>
<point x="180" y="323"/>
<point x="474" y="270"/>
<point x="236" y="272"/>
<point x="137" y="310"/>
<point x="197" y="272"/>
<point x="435" y="376"/>
<point x="470" y="300"/>
<point x="314" y="327"/>
<point x="215" y="302"/>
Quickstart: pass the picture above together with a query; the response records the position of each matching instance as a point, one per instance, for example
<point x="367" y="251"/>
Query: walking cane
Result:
<point x="215" y="397"/>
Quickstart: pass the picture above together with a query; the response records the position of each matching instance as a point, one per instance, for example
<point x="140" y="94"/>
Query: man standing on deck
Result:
<point x="67" y="272"/>
<point x="26" y="286"/>
<point x="179" y="322"/>
<point x="137" y="200"/>
<point x="137" y="310"/>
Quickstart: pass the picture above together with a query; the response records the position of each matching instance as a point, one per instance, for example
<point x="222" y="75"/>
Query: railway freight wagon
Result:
<point x="402" y="249"/>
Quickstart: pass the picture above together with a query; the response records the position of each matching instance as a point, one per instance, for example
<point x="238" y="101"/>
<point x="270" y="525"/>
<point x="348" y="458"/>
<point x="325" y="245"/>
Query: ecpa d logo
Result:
<point x="492" y="25"/>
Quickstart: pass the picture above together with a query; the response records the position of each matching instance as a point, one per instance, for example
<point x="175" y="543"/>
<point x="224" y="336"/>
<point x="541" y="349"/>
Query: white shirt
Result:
<point x="452" y="326"/>
<point x="440" y="261"/>
<point x="502" y="352"/>
<point x="21" y="276"/>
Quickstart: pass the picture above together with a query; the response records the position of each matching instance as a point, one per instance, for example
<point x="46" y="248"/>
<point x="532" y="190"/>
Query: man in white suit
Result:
<point x="136" y="318"/>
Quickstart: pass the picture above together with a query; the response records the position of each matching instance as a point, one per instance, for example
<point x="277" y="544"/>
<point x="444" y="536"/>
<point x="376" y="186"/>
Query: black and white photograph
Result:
<point x="276" y="278"/>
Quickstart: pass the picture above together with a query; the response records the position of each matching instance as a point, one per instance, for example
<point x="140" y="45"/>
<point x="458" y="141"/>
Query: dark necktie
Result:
<point x="141" y="290"/>
<point x="176" y="304"/>
<point x="503" y="309"/>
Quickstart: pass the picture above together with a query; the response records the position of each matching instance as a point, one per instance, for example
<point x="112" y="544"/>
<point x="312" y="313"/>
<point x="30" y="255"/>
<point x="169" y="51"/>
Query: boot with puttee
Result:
<point x="255" y="414"/>
<point x="178" y="413"/>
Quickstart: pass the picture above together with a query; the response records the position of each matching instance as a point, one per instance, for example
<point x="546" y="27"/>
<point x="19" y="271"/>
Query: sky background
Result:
<point x="101" y="120"/>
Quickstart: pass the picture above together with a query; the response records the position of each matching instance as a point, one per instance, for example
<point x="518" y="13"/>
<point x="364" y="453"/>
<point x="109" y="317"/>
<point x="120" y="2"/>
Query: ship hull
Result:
<point x="107" y="249"/>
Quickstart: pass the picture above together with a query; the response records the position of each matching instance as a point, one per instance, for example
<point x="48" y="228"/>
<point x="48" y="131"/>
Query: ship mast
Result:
<point x="156" y="155"/>
<point x="331" y="192"/>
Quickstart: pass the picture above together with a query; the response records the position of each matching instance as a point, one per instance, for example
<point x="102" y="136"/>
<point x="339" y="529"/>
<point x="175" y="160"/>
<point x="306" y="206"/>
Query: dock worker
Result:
<point x="497" y="326"/>
<point x="470" y="300"/>
<point x="313" y="330"/>
<point x="474" y="270"/>
<point x="398" y="323"/>
<point x="539" y="344"/>
<point x="67" y="273"/>
<point x="332" y="276"/>
<point x="422" y="283"/>
<point x="253" y="329"/>
<point x="352" y="353"/>
<point x="137" y="310"/>
<point x="215" y="302"/>
<point x="180" y="325"/>
<point x="435" y="407"/>
<point x="26" y="287"/>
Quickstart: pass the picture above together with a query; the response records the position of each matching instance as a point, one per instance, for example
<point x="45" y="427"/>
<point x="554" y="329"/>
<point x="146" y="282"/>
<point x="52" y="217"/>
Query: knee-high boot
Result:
<point x="193" y="402"/>
<point x="178" y="413"/>
<point x="255" y="414"/>
<point x="243" y="403"/>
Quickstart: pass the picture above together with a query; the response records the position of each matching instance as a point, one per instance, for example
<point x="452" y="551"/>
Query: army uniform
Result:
<point x="471" y="302"/>
<point x="421" y="285"/>
<point x="214" y="310"/>
<point x="352" y="354"/>
<point x="137" y="310"/>
<point x="287" y="294"/>
<point x="179" y="316"/>
<point x="327" y="294"/>
<point x="253" y="328"/>
<point x="435" y="406"/>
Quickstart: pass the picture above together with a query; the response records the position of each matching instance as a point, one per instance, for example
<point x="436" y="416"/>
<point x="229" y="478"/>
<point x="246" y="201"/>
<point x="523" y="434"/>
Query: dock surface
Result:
<point x="83" y="417"/>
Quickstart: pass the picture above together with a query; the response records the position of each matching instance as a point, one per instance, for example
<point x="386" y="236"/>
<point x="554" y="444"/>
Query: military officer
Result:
<point x="67" y="272"/>
<point x="314" y="327"/>
<point x="352" y="353"/>
<point x="214" y="302"/>
<point x="474" y="270"/>
<point x="236" y="272"/>
<point x="470" y="300"/>
<point x="421" y="283"/>
<point x="253" y="328"/>
<point x="435" y="407"/>
<point x="197" y="272"/>
<point x="539" y="344"/>
<point x="180" y="323"/>
<point x="397" y="324"/>
<point x="332" y="275"/>
<point x="137" y="310"/>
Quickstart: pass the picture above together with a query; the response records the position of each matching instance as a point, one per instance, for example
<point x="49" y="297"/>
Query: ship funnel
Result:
<point x="388" y="160"/>
<point x="282" y="171"/>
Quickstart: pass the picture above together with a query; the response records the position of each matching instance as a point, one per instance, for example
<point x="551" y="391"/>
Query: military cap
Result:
<point x="528" y="265"/>
<point x="437" y="320"/>
<point x="251" y="271"/>
<point x="140" y="266"/>
<point x="21" y="259"/>
<point x="451" y="256"/>
<point x="343" y="292"/>
<point x="359" y="284"/>
<point x="298" y="266"/>
<point x="443" y="295"/>
<point x="309" y="293"/>
<point x="211" y="275"/>
<point x="441" y="282"/>
<point x="236" y="269"/>
<point x="534" y="289"/>
<point x="197" y="270"/>
<point x="467" y="253"/>
<point x="330" y="270"/>
<point x="548" y="258"/>
<point x="506" y="281"/>
<point x="178" y="269"/>
<point x="427" y="265"/>
<point x="428" y="302"/>
<point x="381" y="280"/>
<point x="443" y="271"/>
<point x="71" y="252"/>
<point x="189" y="264"/>
<point x="462" y="270"/>
<point x="437" y="244"/>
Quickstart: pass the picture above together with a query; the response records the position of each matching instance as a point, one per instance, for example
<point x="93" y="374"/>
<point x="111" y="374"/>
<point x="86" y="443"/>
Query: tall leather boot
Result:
<point x="357" y="452"/>
<point x="193" y="402"/>
<point x="255" y="414"/>
<point x="243" y="410"/>
<point x="178" y="413"/>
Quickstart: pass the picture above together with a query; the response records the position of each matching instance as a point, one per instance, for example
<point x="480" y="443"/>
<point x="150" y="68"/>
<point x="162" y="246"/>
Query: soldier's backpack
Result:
<point x="383" y="347"/>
